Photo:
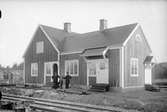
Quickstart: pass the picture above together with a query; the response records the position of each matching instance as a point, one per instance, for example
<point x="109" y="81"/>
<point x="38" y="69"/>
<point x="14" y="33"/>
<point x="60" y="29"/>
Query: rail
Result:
<point x="61" y="106"/>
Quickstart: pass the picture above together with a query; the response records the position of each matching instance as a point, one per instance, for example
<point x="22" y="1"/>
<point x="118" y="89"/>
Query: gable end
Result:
<point x="40" y="27"/>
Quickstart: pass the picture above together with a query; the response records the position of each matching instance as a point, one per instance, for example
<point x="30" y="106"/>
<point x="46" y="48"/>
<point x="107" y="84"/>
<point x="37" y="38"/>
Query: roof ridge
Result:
<point x="58" y="29"/>
<point x="106" y="29"/>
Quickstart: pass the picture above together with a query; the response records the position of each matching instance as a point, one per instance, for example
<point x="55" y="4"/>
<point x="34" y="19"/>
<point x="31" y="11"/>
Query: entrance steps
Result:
<point x="100" y="87"/>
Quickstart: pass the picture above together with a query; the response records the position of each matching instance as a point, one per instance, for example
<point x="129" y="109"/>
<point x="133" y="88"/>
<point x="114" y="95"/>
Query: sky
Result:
<point x="20" y="18"/>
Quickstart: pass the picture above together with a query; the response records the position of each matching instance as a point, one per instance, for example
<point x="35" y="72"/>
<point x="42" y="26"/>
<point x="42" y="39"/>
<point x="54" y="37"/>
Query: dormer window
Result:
<point x="39" y="47"/>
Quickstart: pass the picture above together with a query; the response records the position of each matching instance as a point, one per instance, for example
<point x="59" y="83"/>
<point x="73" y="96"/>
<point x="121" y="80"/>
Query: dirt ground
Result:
<point x="139" y="99"/>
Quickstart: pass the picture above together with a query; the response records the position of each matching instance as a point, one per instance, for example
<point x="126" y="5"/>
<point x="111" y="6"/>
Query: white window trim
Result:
<point x="137" y="74"/>
<point x="71" y="61"/>
<point x="32" y="65"/>
<point x="50" y="64"/>
<point x="41" y="50"/>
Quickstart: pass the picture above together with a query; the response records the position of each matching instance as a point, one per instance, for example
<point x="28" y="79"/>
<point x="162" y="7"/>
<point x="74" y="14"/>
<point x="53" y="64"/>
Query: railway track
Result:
<point x="48" y="105"/>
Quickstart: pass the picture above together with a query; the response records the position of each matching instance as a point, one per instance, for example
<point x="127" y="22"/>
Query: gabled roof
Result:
<point x="66" y="42"/>
<point x="57" y="36"/>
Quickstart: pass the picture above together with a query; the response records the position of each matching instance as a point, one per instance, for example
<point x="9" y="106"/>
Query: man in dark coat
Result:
<point x="67" y="80"/>
<point x="55" y="78"/>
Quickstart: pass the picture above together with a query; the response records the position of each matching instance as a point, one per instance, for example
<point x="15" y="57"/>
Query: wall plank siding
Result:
<point x="136" y="49"/>
<point x="81" y="79"/>
<point x="49" y="54"/>
<point x="114" y="67"/>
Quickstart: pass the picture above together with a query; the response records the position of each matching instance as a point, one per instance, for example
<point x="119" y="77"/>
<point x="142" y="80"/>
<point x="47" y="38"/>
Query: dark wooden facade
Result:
<point x="81" y="79"/>
<point x="135" y="49"/>
<point x="114" y="67"/>
<point x="49" y="54"/>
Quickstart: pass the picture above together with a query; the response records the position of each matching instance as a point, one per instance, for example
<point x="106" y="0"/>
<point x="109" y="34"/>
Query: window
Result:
<point x="134" y="67"/>
<point x="72" y="67"/>
<point x="34" y="69"/>
<point x="39" y="47"/>
<point x="48" y="69"/>
<point x="92" y="68"/>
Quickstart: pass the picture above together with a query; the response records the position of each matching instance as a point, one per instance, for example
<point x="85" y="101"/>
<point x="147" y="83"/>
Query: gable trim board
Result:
<point x="129" y="37"/>
<point x="125" y="42"/>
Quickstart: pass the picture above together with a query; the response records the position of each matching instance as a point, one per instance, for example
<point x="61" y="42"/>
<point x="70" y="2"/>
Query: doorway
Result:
<point x="50" y="69"/>
<point x="99" y="69"/>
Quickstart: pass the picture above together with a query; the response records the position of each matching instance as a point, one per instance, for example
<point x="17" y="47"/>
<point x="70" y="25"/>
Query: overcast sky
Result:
<point x="21" y="18"/>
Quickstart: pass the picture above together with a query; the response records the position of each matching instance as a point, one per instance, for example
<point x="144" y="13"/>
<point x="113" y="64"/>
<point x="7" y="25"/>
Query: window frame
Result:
<point x="34" y="66"/>
<point x="68" y="67"/>
<point x="39" y="47"/>
<point x="134" y="61"/>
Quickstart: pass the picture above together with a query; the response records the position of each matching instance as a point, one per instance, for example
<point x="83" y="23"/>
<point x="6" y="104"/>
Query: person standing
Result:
<point x="67" y="80"/>
<point x="55" y="78"/>
<point x="61" y="82"/>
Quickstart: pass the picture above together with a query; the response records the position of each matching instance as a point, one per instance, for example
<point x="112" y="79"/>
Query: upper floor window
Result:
<point x="39" y="47"/>
<point x="134" y="69"/>
<point x="34" y="69"/>
<point x="72" y="67"/>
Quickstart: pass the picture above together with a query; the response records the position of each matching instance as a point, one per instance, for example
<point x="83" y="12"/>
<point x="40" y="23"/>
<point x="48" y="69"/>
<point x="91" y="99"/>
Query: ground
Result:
<point x="138" y="99"/>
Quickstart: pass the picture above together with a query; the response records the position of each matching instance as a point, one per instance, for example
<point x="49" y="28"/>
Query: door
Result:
<point x="50" y="68"/>
<point x="102" y="71"/>
<point x="148" y="77"/>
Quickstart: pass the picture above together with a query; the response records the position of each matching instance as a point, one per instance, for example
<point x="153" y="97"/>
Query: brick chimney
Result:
<point x="103" y="24"/>
<point x="67" y="27"/>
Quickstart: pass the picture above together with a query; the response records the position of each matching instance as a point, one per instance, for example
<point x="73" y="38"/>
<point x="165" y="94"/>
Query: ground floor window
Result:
<point x="34" y="69"/>
<point x="72" y="67"/>
<point x="134" y="69"/>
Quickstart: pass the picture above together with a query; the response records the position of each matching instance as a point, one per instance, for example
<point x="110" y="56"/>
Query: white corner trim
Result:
<point x="131" y="35"/>
<point x="49" y="39"/>
<point x="122" y="67"/>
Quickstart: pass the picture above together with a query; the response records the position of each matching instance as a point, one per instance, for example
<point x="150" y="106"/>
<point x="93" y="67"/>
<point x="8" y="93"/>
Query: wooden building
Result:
<point x="114" y="56"/>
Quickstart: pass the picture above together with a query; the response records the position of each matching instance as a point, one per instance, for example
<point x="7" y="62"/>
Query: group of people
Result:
<point x="58" y="81"/>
